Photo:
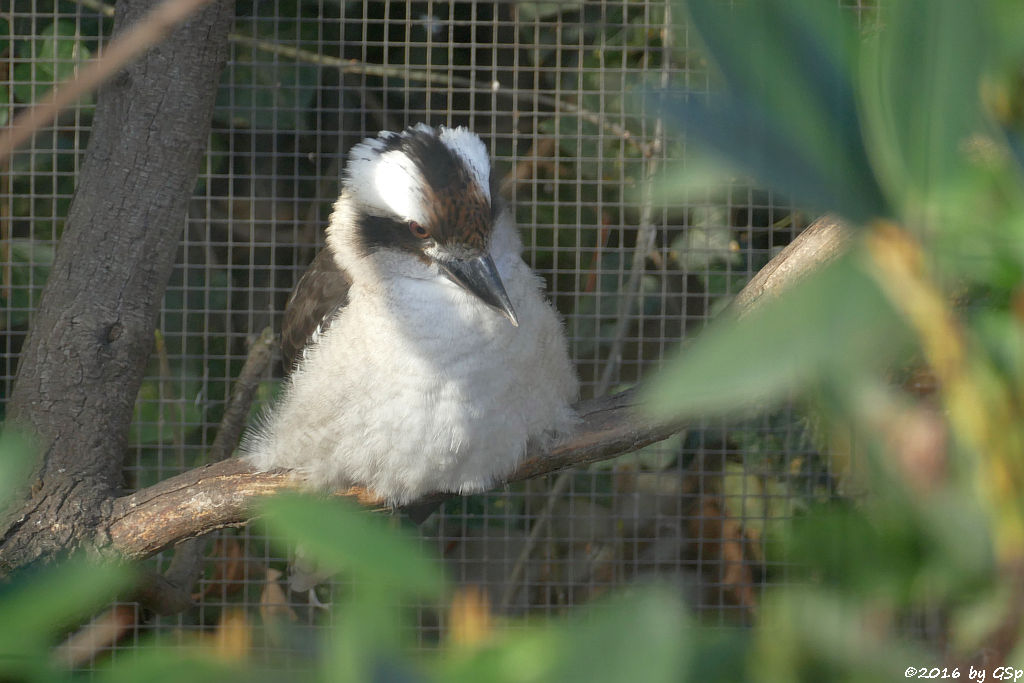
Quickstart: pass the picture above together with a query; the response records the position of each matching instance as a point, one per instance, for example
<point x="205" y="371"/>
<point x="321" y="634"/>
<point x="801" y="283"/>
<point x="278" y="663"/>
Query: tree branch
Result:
<point x="821" y="241"/>
<point x="224" y="494"/>
<point x="125" y="47"/>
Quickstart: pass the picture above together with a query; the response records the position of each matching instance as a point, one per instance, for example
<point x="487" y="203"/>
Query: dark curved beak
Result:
<point x="479" y="277"/>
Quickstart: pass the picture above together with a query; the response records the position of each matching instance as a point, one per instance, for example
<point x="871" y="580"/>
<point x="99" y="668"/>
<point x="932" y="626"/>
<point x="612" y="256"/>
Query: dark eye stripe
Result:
<point x="382" y="232"/>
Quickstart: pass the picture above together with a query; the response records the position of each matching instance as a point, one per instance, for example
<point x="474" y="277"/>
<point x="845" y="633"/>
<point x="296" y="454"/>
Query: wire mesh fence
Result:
<point x="556" y="90"/>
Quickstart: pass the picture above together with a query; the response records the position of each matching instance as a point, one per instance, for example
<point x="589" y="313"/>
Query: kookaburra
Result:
<point x="423" y="355"/>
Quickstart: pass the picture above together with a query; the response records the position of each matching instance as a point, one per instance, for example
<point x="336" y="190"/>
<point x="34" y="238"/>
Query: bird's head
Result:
<point x="423" y="198"/>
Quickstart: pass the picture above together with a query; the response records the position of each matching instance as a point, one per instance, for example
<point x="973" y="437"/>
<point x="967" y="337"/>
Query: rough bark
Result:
<point x="84" y="359"/>
<point x="226" y="493"/>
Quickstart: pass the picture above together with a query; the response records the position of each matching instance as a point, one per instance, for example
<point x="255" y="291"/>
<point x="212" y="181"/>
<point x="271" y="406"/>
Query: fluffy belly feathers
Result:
<point x="441" y="397"/>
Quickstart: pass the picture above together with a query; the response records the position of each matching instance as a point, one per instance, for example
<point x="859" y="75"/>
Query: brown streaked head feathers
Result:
<point x="438" y="178"/>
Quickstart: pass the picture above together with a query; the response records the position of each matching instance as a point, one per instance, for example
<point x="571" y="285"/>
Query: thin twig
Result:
<point x="428" y="75"/>
<point x="424" y="74"/>
<point x="645" y="241"/>
<point x="261" y="353"/>
<point x="167" y="392"/>
<point x="187" y="563"/>
<point x="121" y="50"/>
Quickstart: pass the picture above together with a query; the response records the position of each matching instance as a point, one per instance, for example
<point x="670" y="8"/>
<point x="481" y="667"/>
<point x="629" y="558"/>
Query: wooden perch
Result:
<point x="224" y="493"/>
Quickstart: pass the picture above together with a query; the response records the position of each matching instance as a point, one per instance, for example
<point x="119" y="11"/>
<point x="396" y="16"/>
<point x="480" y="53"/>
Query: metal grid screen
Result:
<point x="554" y="90"/>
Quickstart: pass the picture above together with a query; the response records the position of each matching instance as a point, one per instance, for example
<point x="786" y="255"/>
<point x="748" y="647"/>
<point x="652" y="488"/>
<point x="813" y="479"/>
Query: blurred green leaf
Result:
<point x="793" y="57"/>
<point x="808" y="634"/>
<point x="175" y="664"/>
<point x="638" y="635"/>
<point x="921" y="78"/>
<point x="341" y="536"/>
<point x="385" y="566"/>
<point x="961" y="554"/>
<point x="877" y="558"/>
<point x="788" y="111"/>
<point x="1003" y="335"/>
<point x="974" y="621"/>
<point x="836" y="320"/>
<point x="719" y="654"/>
<point x="34" y="609"/>
<point x="369" y="639"/>
<point x="893" y="551"/>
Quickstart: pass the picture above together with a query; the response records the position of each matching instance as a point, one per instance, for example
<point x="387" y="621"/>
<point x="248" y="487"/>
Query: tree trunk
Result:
<point x="85" y="356"/>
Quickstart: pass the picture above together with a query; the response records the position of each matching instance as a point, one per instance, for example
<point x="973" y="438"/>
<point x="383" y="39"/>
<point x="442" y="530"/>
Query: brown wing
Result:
<point x="320" y="294"/>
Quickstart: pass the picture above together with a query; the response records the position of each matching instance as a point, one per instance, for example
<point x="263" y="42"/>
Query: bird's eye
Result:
<point x="418" y="230"/>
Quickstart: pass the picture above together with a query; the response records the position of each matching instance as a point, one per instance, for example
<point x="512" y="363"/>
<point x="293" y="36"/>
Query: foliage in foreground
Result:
<point x="910" y="347"/>
<point x="640" y="632"/>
